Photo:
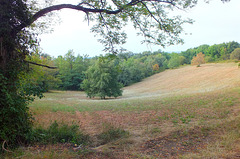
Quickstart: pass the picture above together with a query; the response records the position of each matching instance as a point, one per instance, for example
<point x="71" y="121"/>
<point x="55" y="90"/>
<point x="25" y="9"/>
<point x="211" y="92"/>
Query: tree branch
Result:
<point x="75" y="7"/>
<point x="152" y="15"/>
<point x="3" y="147"/>
<point x="78" y="7"/>
<point x="51" y="67"/>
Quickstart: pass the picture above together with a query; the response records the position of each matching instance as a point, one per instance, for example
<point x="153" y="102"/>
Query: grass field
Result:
<point x="188" y="112"/>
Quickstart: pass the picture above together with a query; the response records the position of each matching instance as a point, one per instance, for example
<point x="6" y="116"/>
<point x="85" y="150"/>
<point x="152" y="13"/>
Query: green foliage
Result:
<point x="165" y="29"/>
<point x="15" y="119"/>
<point x="56" y="133"/>
<point x="40" y="77"/>
<point x="101" y="79"/>
<point x="71" y="70"/>
<point x="175" y="61"/>
<point x="135" y="67"/>
<point x="212" y="53"/>
<point x="132" y="71"/>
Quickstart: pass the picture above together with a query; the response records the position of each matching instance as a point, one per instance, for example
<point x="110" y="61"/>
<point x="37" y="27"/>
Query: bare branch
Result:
<point x="3" y="147"/>
<point x="79" y="7"/>
<point x="152" y="15"/>
<point x="51" y="67"/>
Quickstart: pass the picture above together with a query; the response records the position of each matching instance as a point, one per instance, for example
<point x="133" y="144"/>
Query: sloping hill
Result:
<point x="186" y="80"/>
<point x="204" y="125"/>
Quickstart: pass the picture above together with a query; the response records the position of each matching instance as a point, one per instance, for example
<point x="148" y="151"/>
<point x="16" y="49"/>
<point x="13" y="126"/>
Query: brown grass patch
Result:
<point x="177" y="143"/>
<point x="188" y="80"/>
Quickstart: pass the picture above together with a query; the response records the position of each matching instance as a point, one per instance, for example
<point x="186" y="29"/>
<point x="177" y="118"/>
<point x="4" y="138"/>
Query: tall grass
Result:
<point x="59" y="133"/>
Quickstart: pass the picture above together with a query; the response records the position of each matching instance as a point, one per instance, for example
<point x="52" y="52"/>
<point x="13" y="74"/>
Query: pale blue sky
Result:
<point x="215" y="23"/>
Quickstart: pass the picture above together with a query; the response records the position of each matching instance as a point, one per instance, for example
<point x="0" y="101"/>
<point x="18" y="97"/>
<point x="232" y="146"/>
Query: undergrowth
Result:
<point x="111" y="133"/>
<point x="59" y="133"/>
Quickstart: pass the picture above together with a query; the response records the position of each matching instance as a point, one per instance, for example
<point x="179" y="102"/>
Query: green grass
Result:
<point x="55" y="102"/>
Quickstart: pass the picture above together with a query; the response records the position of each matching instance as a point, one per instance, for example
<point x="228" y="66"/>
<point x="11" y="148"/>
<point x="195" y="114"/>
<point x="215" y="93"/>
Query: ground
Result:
<point x="190" y="112"/>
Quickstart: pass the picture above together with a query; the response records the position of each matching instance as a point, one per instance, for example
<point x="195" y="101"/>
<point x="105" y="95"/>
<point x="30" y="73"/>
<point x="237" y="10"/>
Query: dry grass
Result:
<point x="165" y="114"/>
<point x="187" y="80"/>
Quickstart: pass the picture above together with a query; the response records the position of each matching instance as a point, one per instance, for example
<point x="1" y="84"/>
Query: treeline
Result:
<point x="131" y="67"/>
<point x="213" y="53"/>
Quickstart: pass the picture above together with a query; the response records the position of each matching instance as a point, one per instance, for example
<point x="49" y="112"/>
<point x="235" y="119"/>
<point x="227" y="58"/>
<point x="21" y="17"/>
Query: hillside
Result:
<point x="187" y="80"/>
<point x="188" y="112"/>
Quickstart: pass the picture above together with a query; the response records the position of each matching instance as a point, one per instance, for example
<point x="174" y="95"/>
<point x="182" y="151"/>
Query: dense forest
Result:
<point x="131" y="67"/>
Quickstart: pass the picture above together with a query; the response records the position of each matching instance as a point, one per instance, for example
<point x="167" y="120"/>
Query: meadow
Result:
<point x="190" y="112"/>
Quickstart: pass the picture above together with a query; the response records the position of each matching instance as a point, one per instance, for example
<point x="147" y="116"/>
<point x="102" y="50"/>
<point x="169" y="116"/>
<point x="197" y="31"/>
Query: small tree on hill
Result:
<point x="198" y="60"/>
<point x="102" y="80"/>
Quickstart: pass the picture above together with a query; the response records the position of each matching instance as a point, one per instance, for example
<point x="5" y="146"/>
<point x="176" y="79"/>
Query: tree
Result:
<point x="235" y="55"/>
<point x="132" y="71"/>
<point x="17" y="19"/>
<point x="182" y="60"/>
<point x="231" y="46"/>
<point x="102" y="80"/>
<point x="198" y="60"/>
<point x="40" y="77"/>
<point x="71" y="70"/>
<point x="155" y="67"/>
<point x="174" y="62"/>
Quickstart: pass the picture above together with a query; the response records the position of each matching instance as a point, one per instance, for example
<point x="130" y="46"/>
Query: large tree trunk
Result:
<point x="3" y="54"/>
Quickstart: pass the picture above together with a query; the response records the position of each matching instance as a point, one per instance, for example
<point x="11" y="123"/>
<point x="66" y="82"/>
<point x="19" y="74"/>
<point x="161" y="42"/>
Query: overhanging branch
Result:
<point x="51" y="67"/>
<point x="78" y="7"/>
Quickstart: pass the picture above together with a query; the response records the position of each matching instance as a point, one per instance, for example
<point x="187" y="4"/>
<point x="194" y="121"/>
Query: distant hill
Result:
<point x="187" y="80"/>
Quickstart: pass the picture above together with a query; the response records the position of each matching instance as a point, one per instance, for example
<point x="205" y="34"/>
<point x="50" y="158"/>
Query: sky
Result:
<point x="215" y="23"/>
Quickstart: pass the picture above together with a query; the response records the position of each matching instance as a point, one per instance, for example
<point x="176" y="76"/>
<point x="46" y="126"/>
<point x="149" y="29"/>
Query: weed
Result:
<point x="205" y="131"/>
<point x="155" y="130"/>
<point x="112" y="134"/>
<point x="164" y="117"/>
<point x="175" y="121"/>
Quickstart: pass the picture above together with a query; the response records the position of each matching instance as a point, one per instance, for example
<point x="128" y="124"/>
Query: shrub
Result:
<point x="59" y="134"/>
<point x="15" y="118"/>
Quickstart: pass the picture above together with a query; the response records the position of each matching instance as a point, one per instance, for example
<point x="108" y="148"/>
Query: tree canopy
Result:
<point x="110" y="17"/>
<point x="102" y="80"/>
<point x="198" y="60"/>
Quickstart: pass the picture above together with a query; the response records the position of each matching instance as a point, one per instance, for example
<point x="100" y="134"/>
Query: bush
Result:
<point x="59" y="134"/>
<point x="15" y="119"/>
